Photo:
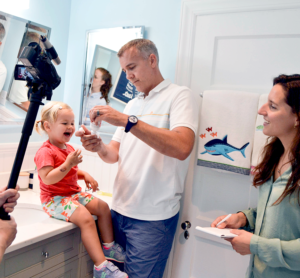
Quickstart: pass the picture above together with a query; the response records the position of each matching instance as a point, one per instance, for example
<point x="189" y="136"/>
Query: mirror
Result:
<point x="104" y="83"/>
<point x="15" y="33"/>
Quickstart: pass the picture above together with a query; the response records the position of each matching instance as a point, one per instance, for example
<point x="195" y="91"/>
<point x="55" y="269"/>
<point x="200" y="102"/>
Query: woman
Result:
<point x="274" y="244"/>
<point x="99" y="91"/>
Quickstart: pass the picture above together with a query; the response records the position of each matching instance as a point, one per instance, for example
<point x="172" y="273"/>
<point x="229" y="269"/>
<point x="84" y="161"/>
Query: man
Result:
<point x="3" y="70"/>
<point x="155" y="137"/>
<point x="8" y="228"/>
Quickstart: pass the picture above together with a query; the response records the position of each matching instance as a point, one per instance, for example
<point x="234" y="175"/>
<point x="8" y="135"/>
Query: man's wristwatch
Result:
<point x="132" y="120"/>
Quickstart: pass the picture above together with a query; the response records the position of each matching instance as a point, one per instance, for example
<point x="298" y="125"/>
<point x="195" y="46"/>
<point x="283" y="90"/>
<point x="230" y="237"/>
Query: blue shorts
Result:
<point x="147" y="244"/>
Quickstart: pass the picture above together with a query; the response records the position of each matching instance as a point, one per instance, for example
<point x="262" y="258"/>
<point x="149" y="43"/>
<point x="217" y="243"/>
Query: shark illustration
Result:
<point x="221" y="147"/>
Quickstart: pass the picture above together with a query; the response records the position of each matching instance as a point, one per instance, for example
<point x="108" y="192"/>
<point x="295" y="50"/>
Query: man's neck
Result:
<point x="156" y="83"/>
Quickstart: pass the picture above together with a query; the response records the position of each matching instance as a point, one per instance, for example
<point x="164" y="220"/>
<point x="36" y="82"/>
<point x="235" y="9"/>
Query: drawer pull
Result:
<point x="45" y="254"/>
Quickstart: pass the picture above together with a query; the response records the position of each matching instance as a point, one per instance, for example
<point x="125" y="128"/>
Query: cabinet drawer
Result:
<point x="64" y="270"/>
<point x="59" y="248"/>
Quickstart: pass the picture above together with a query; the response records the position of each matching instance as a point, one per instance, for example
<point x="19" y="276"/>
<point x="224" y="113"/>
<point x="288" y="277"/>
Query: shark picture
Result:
<point x="221" y="147"/>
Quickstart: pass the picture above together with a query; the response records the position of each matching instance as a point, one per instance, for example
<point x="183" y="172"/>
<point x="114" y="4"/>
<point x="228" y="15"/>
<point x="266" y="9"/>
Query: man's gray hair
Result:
<point x="145" y="47"/>
<point x="2" y="32"/>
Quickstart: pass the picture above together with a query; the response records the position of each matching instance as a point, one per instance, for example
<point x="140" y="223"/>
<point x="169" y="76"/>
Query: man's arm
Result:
<point x="8" y="231"/>
<point x="177" y="143"/>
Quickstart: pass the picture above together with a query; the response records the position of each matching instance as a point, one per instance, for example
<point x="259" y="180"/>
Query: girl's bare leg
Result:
<point x="101" y="209"/>
<point x="84" y="220"/>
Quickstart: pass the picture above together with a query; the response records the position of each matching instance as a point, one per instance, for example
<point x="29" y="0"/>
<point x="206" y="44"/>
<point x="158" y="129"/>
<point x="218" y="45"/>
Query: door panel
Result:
<point x="236" y="45"/>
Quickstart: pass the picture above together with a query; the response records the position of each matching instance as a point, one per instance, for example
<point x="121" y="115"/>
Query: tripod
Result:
<point x="37" y="91"/>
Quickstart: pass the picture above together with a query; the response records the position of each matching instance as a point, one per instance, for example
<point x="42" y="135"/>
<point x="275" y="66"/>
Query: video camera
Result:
<point x="37" y="66"/>
<point x="42" y="78"/>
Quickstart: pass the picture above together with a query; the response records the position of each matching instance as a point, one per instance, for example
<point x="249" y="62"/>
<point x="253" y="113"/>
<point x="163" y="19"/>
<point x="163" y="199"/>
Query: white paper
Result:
<point x="222" y="233"/>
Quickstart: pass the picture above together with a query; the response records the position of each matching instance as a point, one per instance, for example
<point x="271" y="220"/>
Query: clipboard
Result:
<point x="221" y="233"/>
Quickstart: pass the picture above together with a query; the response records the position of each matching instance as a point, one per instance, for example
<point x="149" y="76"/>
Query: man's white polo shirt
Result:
<point x="149" y="184"/>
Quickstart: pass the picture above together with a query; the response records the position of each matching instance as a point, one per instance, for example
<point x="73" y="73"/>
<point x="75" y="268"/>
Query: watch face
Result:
<point x="133" y="119"/>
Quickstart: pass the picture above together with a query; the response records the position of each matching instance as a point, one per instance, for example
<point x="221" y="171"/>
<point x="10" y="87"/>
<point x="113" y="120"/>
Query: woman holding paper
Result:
<point x="271" y="232"/>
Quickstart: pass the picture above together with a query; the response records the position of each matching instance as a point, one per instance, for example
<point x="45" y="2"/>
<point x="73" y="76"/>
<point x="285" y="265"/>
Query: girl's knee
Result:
<point x="82" y="217"/>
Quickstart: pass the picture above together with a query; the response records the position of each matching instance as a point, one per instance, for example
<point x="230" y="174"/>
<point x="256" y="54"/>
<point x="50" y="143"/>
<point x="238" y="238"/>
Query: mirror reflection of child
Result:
<point x="99" y="91"/>
<point x="61" y="196"/>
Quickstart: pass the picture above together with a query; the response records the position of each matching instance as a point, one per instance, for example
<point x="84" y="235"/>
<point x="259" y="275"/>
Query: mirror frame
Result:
<point x="84" y="86"/>
<point x="10" y="79"/>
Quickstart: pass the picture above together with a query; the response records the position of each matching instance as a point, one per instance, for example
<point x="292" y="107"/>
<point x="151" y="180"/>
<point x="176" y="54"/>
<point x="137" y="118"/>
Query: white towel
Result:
<point x="259" y="138"/>
<point x="227" y="130"/>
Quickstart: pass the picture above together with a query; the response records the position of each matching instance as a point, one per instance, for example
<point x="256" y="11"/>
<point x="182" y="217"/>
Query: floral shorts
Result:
<point x="61" y="207"/>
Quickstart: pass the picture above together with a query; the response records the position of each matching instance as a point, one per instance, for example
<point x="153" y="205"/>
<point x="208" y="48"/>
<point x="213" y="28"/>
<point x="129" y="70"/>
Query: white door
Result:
<point x="237" y="45"/>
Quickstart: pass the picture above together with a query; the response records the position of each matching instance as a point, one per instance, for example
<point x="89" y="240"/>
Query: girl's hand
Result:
<point x="74" y="158"/>
<point x="241" y="243"/>
<point x="90" y="182"/>
<point x="235" y="221"/>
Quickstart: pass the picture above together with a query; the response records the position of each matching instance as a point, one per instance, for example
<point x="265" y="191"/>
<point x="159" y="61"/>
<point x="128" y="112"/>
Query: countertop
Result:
<point x="39" y="230"/>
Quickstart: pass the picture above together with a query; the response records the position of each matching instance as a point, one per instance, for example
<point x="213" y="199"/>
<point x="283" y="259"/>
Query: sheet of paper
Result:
<point x="222" y="233"/>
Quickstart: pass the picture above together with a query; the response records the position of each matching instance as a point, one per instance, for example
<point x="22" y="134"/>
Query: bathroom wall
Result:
<point x="56" y="15"/>
<point x="160" y="18"/>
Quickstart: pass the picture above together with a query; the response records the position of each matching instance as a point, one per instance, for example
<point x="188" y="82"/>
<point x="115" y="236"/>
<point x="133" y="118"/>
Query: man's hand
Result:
<point x="109" y="115"/>
<point x="90" y="182"/>
<point x="90" y="142"/>
<point x="241" y="243"/>
<point x="74" y="158"/>
<point x="235" y="221"/>
<point x="11" y="196"/>
<point x="8" y="231"/>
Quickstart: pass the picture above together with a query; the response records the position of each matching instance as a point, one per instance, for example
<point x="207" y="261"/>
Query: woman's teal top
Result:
<point x="275" y="245"/>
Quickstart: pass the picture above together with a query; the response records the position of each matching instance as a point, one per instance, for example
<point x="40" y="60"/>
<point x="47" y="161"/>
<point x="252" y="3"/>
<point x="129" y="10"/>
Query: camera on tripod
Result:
<point x="37" y="67"/>
<point x="42" y="78"/>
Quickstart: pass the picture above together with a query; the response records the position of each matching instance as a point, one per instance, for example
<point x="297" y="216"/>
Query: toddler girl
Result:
<point x="61" y="196"/>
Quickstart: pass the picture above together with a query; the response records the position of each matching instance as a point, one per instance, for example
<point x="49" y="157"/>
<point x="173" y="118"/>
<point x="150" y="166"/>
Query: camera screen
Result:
<point x="21" y="73"/>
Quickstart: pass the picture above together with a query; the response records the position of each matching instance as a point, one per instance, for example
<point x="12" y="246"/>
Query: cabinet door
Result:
<point x="64" y="270"/>
<point x="29" y="261"/>
<point x="86" y="267"/>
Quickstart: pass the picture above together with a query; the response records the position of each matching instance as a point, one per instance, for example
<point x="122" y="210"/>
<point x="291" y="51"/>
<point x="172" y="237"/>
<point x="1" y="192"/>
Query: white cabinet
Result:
<point x="60" y="256"/>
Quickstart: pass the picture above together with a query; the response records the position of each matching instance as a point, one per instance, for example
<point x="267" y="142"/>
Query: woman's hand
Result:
<point x="241" y="243"/>
<point x="74" y="158"/>
<point x="11" y="196"/>
<point x="92" y="143"/>
<point x="90" y="182"/>
<point x="235" y="221"/>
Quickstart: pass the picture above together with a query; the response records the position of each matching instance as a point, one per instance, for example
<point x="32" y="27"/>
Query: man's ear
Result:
<point x="0" y="43"/>
<point x="153" y="60"/>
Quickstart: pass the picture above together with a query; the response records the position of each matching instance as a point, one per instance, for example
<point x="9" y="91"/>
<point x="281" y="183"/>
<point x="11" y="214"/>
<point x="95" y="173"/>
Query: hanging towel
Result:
<point x="227" y="130"/>
<point x="259" y="138"/>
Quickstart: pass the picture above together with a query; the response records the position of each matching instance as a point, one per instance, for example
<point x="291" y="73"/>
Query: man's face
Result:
<point x="139" y="71"/>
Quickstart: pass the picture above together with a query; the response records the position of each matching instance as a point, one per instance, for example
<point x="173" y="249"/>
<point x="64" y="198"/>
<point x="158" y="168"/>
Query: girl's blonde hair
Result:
<point x="49" y="113"/>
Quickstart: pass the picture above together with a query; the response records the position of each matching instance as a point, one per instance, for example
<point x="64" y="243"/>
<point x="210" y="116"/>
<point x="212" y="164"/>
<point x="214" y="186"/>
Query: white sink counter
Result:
<point x="36" y="231"/>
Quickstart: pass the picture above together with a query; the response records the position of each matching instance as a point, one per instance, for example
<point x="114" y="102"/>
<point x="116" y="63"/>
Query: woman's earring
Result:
<point x="295" y="125"/>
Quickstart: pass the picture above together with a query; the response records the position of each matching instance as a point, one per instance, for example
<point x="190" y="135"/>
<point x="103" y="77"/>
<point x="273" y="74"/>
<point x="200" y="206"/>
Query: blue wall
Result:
<point x="56" y="15"/>
<point x="160" y="18"/>
<point x="69" y="21"/>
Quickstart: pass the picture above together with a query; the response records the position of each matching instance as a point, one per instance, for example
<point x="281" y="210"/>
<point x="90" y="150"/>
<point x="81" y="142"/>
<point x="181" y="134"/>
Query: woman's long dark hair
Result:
<point x="106" y="77"/>
<point x="274" y="149"/>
